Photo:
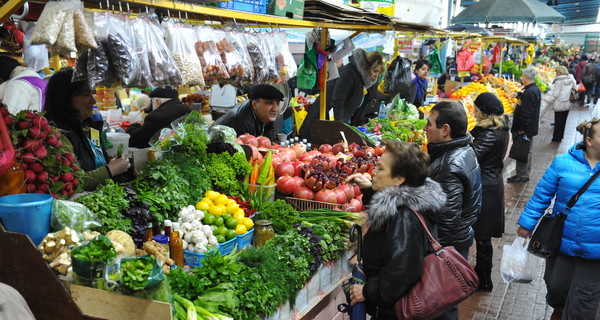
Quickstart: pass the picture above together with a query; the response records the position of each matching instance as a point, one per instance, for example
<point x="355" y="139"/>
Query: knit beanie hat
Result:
<point x="488" y="103"/>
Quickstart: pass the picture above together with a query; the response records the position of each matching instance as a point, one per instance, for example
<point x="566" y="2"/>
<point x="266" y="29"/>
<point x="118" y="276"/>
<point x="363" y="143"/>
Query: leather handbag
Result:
<point x="447" y="279"/>
<point x="520" y="148"/>
<point x="547" y="237"/>
<point x="574" y="96"/>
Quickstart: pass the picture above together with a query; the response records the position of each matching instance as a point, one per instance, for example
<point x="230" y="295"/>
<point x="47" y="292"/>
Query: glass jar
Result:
<point x="263" y="232"/>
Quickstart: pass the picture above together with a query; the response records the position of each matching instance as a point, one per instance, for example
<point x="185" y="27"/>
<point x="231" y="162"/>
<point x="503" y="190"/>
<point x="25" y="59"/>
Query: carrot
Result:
<point x="253" y="177"/>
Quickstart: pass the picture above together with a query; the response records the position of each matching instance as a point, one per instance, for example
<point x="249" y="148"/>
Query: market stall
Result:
<point x="204" y="182"/>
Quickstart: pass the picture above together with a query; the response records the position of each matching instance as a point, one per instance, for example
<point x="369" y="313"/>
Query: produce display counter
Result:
<point x="329" y="278"/>
<point x="89" y="303"/>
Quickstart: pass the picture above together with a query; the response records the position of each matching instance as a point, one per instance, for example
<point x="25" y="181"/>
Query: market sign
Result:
<point x="381" y="6"/>
<point x="409" y="45"/>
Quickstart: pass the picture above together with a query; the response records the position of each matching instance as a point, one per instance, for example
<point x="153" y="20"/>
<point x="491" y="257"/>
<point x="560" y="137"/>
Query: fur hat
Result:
<point x="488" y="103"/>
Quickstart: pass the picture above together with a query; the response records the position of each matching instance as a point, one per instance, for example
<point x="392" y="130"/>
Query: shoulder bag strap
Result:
<point x="434" y="244"/>
<point x="576" y="196"/>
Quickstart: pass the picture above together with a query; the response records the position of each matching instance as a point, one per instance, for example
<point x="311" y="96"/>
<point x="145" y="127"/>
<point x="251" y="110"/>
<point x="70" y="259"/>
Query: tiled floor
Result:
<point x="518" y="300"/>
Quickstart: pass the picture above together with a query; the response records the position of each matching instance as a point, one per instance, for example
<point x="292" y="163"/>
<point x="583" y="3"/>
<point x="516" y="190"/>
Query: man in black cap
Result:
<point x="165" y="107"/>
<point x="257" y="115"/>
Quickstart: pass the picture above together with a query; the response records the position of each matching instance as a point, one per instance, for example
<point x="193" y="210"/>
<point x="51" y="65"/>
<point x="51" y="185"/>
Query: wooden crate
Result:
<point x="114" y="306"/>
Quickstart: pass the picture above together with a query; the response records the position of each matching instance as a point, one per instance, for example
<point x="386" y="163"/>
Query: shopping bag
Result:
<point x="520" y="148"/>
<point x="581" y="87"/>
<point x="518" y="265"/>
<point x="397" y="79"/>
<point x="307" y="71"/>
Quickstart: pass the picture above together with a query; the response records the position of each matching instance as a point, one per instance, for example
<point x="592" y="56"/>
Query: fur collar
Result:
<point x="427" y="200"/>
<point x="360" y="62"/>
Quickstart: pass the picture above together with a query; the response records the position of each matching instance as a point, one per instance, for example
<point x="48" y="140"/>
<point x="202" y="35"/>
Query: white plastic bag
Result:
<point x="518" y="265"/>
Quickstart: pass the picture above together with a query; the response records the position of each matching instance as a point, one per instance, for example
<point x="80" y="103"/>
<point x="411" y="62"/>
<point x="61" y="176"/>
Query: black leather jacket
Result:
<point x="242" y="120"/>
<point x="490" y="147"/>
<point x="396" y="243"/>
<point x="454" y="165"/>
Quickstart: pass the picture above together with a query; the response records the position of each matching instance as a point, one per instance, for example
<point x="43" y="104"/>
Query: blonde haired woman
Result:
<point x="490" y="144"/>
<point x="558" y="98"/>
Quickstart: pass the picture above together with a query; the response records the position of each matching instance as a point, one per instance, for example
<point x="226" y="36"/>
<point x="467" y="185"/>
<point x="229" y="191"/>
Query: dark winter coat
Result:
<point x="579" y="69"/>
<point x="344" y="94"/>
<point x="490" y="146"/>
<point x="77" y="139"/>
<point x="589" y="74"/>
<point x="156" y="120"/>
<point x="527" y="112"/>
<point x="454" y="165"/>
<point x="396" y="243"/>
<point x="242" y="120"/>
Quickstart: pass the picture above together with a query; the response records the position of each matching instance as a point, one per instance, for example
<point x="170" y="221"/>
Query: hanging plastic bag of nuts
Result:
<point x="49" y="24"/>
<point x="65" y="43"/>
<point x="99" y="69"/>
<point x="210" y="59"/>
<point x="180" y="41"/>
<point x="257" y="56"/>
<point x="144" y="79"/>
<point x="121" y="50"/>
<point x="162" y="65"/>
<point x="84" y="37"/>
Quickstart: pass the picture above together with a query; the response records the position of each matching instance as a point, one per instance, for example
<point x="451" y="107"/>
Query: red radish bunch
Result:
<point x="48" y="167"/>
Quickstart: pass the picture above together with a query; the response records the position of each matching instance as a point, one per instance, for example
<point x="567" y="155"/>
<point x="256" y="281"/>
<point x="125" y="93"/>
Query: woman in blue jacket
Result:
<point x="572" y="278"/>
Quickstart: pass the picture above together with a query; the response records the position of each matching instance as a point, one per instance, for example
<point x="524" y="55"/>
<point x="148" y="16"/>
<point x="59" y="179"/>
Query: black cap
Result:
<point x="584" y="57"/>
<point x="166" y="92"/>
<point x="265" y="91"/>
<point x="488" y="103"/>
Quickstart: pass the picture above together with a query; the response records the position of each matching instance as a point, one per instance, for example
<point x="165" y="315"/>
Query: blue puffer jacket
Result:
<point x="565" y="176"/>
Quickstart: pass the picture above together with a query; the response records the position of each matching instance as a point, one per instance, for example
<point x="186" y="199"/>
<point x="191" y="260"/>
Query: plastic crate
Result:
<point x="227" y="247"/>
<point x="245" y="239"/>
<point x="256" y="6"/>
<point x="193" y="259"/>
<point x="303" y="205"/>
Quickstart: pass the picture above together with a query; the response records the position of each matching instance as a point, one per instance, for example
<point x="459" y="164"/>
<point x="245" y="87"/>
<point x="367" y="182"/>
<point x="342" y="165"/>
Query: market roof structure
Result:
<point x="528" y="11"/>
